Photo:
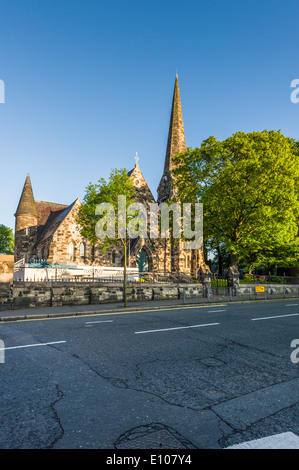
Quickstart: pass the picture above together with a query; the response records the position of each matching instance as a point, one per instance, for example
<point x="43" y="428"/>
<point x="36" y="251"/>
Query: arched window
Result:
<point x="113" y="257"/>
<point x="82" y="250"/>
<point x="71" y="251"/>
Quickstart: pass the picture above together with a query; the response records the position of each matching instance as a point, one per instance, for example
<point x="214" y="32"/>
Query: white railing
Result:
<point x="19" y="263"/>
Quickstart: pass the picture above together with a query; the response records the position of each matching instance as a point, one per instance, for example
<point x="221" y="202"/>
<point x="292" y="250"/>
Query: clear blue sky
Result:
<point x="89" y="83"/>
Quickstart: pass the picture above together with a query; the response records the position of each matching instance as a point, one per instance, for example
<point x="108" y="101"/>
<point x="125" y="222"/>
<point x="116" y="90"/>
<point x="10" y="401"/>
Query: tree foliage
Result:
<point x="248" y="185"/>
<point x="6" y="240"/>
<point x="119" y="184"/>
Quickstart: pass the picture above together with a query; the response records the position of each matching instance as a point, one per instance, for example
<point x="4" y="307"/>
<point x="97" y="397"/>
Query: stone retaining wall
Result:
<point x="52" y="294"/>
<point x="5" y="295"/>
<point x="47" y="294"/>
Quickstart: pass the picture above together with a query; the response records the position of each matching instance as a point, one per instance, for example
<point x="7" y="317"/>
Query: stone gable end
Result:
<point x="66" y="233"/>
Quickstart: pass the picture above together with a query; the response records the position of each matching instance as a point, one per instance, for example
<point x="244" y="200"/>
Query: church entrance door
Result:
<point x="143" y="261"/>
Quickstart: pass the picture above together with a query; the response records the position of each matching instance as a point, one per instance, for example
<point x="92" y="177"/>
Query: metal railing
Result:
<point x="145" y="277"/>
<point x="268" y="279"/>
<point x="246" y="293"/>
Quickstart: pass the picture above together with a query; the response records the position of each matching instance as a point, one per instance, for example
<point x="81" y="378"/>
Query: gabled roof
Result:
<point x="143" y="192"/>
<point x="48" y="209"/>
<point x="54" y="222"/>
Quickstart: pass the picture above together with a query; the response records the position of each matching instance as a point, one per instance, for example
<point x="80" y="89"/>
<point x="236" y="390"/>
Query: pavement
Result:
<point x="106" y="308"/>
<point x="73" y="310"/>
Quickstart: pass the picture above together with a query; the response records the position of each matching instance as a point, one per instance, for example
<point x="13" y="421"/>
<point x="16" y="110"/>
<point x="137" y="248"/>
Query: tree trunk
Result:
<point x="234" y="259"/>
<point x="165" y="257"/>
<point x="220" y="262"/>
<point x="125" y="274"/>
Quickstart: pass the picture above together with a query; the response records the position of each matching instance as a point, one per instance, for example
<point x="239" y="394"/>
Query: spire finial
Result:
<point x="136" y="158"/>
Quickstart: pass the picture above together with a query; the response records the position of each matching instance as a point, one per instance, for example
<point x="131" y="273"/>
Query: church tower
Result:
<point x="176" y="143"/>
<point x="26" y="223"/>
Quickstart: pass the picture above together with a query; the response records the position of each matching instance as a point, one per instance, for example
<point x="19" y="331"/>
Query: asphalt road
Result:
<point x="195" y="377"/>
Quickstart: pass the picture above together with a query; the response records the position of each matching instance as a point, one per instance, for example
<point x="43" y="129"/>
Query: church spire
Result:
<point x="27" y="204"/>
<point x="176" y="143"/>
<point x="176" y="134"/>
<point x="26" y="223"/>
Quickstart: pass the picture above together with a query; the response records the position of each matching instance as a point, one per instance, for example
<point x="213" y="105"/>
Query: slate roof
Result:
<point x="56" y="214"/>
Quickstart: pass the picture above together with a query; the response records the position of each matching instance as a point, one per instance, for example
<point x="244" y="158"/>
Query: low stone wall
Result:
<point x="54" y="294"/>
<point x="270" y="290"/>
<point x="5" y="296"/>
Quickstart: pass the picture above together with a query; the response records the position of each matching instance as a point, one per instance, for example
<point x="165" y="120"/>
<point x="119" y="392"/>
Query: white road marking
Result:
<point x="215" y="311"/>
<point x="292" y="305"/>
<point x="176" y="328"/>
<point x="100" y="321"/>
<point x="32" y="345"/>
<point x="286" y="440"/>
<point x="276" y="316"/>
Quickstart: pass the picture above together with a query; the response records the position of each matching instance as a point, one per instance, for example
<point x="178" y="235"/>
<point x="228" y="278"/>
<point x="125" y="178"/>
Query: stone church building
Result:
<point x="48" y="231"/>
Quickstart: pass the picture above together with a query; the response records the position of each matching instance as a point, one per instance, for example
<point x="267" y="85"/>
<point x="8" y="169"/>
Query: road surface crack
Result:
<point x="123" y="383"/>
<point x="56" y="417"/>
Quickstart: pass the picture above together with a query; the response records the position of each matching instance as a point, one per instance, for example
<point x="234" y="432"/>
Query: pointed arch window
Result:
<point x="82" y="250"/>
<point x="71" y="249"/>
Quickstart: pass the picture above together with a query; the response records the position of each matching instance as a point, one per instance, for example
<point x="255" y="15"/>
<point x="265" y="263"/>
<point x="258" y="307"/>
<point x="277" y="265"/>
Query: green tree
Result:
<point x="6" y="240"/>
<point x="248" y="185"/>
<point x="221" y="257"/>
<point x="108" y="192"/>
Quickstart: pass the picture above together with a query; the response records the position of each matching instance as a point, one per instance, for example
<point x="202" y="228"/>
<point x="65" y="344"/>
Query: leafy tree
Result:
<point x="221" y="257"/>
<point x="248" y="185"/>
<point x="6" y="240"/>
<point x="108" y="192"/>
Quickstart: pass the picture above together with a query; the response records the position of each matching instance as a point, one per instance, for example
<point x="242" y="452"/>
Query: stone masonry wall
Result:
<point x="46" y="294"/>
<point x="54" y="294"/>
<point x="5" y="296"/>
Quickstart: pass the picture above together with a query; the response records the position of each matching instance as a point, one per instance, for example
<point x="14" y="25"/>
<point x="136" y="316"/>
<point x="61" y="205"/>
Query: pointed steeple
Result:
<point x="27" y="204"/>
<point x="176" y="143"/>
<point x="176" y="134"/>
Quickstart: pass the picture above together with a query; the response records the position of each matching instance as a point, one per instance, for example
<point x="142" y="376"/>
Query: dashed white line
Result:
<point x="276" y="316"/>
<point x="215" y="311"/>
<point x="176" y="328"/>
<point x="292" y="305"/>
<point x="32" y="345"/>
<point x="100" y="321"/>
